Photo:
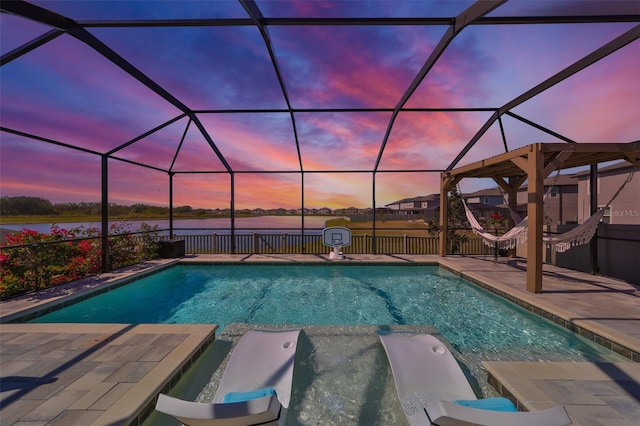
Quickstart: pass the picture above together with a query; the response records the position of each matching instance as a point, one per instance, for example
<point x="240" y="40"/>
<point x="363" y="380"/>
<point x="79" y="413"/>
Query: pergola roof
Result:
<point x="577" y="155"/>
<point x="298" y="92"/>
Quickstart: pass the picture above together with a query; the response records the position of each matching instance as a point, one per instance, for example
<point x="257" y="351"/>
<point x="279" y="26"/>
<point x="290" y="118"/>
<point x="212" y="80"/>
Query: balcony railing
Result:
<point x="42" y="264"/>
<point x="284" y="243"/>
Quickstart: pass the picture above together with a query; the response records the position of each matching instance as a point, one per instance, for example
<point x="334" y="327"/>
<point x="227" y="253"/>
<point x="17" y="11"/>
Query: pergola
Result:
<point x="183" y="111"/>
<point x="533" y="163"/>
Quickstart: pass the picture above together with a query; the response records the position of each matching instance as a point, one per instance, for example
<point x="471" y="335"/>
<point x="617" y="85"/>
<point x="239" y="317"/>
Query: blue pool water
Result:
<point x="473" y="320"/>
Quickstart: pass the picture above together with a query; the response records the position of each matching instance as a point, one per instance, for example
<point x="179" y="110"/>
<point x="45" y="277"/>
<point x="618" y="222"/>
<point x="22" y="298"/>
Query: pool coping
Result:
<point x="27" y="307"/>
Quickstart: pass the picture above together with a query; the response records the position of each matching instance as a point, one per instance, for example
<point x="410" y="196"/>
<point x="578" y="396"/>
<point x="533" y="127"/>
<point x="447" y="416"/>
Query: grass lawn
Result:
<point x="389" y="227"/>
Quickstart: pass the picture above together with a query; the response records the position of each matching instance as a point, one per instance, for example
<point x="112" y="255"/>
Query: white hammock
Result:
<point x="512" y="238"/>
<point x="579" y="235"/>
<point x="517" y="235"/>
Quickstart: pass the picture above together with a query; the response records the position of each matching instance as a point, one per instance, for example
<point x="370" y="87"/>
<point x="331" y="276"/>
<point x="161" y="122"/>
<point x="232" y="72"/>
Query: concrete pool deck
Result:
<point x="44" y="373"/>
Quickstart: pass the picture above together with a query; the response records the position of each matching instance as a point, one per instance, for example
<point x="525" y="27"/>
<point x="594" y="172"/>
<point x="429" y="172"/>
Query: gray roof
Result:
<point x="553" y="180"/>
<point x="622" y="167"/>
<point x="489" y="192"/>
<point x="430" y="197"/>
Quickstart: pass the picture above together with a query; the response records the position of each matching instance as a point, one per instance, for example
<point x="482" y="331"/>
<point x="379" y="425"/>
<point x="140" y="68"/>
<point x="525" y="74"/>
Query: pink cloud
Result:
<point x="202" y="191"/>
<point x="429" y="140"/>
<point x="345" y="141"/>
<point x="599" y="104"/>
<point x="349" y="66"/>
<point x="267" y="190"/>
<point x="338" y="190"/>
<point x="253" y="142"/>
<point x="66" y="91"/>
<point x="33" y="168"/>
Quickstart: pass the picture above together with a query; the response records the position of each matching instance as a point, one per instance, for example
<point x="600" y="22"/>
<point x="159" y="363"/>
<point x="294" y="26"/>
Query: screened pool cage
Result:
<point x="303" y="105"/>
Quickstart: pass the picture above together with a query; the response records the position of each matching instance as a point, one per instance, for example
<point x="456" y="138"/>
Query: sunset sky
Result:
<point x="67" y="92"/>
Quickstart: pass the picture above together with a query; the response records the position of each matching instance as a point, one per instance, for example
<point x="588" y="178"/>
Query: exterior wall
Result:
<point x="560" y="206"/>
<point x="625" y="209"/>
<point x="429" y="204"/>
<point x="409" y="205"/>
<point x="415" y="205"/>
<point x="484" y="199"/>
<point x="618" y="247"/>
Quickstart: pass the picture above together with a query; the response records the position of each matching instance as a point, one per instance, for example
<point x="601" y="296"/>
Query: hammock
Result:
<point x="517" y="235"/>
<point x="579" y="235"/>
<point x="512" y="238"/>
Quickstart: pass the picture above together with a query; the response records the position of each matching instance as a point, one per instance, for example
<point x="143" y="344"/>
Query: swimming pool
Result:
<point x="474" y="321"/>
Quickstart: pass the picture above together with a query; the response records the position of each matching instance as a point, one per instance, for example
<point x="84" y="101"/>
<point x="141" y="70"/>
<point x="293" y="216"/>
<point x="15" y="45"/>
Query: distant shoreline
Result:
<point x="19" y="220"/>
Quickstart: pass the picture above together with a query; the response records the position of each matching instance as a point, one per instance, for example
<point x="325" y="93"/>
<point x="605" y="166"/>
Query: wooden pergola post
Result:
<point x="513" y="184"/>
<point x="535" y="214"/>
<point x="512" y="193"/>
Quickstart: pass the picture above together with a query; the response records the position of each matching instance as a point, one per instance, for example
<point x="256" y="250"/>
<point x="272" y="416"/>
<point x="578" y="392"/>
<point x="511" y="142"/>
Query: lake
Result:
<point x="195" y="226"/>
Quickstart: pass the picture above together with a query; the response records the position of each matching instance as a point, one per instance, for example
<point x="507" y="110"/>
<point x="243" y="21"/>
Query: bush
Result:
<point x="30" y="260"/>
<point x="456" y="221"/>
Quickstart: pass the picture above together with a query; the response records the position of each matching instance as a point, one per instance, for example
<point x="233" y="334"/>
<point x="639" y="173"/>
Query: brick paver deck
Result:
<point x="82" y="374"/>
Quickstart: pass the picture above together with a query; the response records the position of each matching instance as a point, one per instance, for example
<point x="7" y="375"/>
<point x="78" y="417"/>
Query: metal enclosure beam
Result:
<point x="596" y="55"/>
<point x="593" y="202"/>
<point x="105" y="213"/>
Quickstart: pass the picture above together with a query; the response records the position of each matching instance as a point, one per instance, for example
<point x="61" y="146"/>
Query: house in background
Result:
<point x="567" y="199"/>
<point x="482" y="203"/>
<point x="423" y="206"/>
<point x="560" y="203"/>
<point x="485" y="203"/>
<point x="491" y="196"/>
<point x="625" y="208"/>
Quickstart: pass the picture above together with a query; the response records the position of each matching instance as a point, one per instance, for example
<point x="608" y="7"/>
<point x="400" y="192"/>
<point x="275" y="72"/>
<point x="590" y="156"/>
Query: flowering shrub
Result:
<point x="497" y="219"/>
<point x="30" y="260"/>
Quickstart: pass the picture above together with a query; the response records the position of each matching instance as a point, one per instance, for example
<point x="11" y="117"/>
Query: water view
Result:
<point x="195" y="226"/>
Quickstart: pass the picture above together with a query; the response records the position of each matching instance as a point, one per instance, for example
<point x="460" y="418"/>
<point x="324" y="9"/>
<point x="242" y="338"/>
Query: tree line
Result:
<point x="36" y="206"/>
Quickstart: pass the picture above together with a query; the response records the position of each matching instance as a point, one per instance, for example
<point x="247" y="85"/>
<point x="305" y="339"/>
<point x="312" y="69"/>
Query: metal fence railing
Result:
<point x="284" y="243"/>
